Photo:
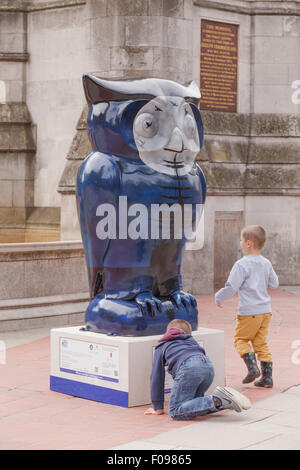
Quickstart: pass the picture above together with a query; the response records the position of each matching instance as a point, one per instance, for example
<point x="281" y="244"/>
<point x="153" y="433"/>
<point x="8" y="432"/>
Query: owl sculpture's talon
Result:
<point x="149" y="304"/>
<point x="183" y="300"/>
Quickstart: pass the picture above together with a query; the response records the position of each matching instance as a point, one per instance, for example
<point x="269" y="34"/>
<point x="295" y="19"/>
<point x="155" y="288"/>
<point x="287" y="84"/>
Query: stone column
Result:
<point x="17" y="147"/>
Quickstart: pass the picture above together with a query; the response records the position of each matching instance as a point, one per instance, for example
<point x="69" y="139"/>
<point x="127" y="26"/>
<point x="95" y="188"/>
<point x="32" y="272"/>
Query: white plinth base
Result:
<point x="116" y="369"/>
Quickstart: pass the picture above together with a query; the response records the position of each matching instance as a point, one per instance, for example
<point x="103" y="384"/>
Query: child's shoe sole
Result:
<point x="241" y="402"/>
<point x="251" y="377"/>
<point x="263" y="384"/>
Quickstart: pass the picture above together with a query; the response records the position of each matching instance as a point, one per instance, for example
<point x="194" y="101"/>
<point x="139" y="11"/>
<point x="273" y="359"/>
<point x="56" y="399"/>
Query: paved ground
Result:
<point x="33" y="417"/>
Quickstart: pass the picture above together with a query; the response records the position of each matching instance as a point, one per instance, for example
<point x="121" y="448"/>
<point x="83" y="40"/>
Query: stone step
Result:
<point x="41" y="301"/>
<point x="40" y="312"/>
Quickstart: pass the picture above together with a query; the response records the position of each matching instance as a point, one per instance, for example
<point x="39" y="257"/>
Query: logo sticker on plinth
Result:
<point x="89" y="359"/>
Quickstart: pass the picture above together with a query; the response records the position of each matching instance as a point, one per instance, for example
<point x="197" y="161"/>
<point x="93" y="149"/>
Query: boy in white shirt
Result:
<point x="250" y="277"/>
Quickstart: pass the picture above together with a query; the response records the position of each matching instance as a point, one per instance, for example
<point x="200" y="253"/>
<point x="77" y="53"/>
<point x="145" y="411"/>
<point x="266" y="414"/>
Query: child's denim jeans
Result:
<point x="194" y="377"/>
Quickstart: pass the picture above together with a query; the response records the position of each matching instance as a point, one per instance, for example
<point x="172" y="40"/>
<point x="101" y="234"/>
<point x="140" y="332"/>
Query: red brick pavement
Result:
<point x="33" y="417"/>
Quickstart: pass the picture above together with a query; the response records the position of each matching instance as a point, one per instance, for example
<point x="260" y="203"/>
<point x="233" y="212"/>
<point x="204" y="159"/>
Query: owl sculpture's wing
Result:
<point x="98" y="184"/>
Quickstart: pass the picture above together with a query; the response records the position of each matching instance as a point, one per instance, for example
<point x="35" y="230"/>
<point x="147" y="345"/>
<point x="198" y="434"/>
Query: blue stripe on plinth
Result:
<point x="89" y="391"/>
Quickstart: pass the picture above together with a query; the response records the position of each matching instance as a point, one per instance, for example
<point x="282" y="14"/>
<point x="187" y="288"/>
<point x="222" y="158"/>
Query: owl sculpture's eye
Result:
<point x="166" y="135"/>
<point x="146" y="125"/>
<point x="189" y="126"/>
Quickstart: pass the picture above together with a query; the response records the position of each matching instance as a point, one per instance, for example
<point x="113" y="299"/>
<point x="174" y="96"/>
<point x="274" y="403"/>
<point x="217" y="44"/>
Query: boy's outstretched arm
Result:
<point x="157" y="385"/>
<point x="234" y="282"/>
<point x="273" y="279"/>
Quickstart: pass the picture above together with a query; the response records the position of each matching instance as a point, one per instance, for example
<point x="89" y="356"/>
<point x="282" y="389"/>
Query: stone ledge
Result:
<point x="16" y="138"/>
<point x="40" y="311"/>
<point x="250" y="125"/>
<point x="222" y="123"/>
<point x="35" y="6"/>
<point x="253" y="7"/>
<point x="21" y="6"/>
<point x="11" y="304"/>
<point x="14" y="56"/>
<point x="14" y="113"/>
<point x="42" y="250"/>
<point x="252" y="192"/>
<point x="48" y="316"/>
<point x="230" y="138"/>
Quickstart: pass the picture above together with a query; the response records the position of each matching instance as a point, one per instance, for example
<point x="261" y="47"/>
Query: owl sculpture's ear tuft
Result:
<point x="193" y="87"/>
<point x="193" y="92"/>
<point x="94" y="91"/>
<point x="98" y="89"/>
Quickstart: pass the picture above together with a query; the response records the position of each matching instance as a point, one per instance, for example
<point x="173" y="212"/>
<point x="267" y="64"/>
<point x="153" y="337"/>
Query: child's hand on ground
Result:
<point x="220" y="305"/>
<point x="151" y="411"/>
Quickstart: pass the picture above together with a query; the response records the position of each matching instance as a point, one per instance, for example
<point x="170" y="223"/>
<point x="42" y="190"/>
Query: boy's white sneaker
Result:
<point x="245" y="402"/>
<point x="231" y="399"/>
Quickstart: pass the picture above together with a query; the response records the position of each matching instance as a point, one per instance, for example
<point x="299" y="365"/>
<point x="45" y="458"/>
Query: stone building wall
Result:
<point x="250" y="158"/>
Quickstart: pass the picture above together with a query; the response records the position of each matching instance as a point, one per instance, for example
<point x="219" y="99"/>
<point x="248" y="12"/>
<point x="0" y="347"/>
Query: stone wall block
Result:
<point x="177" y="33"/>
<point x="97" y="61"/>
<point x="80" y="147"/>
<point x="54" y="276"/>
<point x="220" y="123"/>
<point x="12" y="285"/>
<point x="271" y="74"/>
<point x="230" y="149"/>
<point x="15" y="90"/>
<point x="155" y="7"/>
<point x="14" y="113"/>
<point x="127" y="8"/>
<point x="273" y="177"/>
<point x="11" y="42"/>
<point x="4" y="137"/>
<point x="70" y="228"/>
<point x="266" y="25"/>
<point x="106" y="32"/>
<point x="132" y="58"/>
<point x="57" y="19"/>
<point x="12" y="217"/>
<point x="269" y="150"/>
<point x="11" y="70"/>
<point x="273" y="50"/>
<point x="291" y="26"/>
<point x="23" y="193"/>
<point x="143" y="31"/>
<point x="273" y="125"/>
<point x="18" y="194"/>
<point x="11" y="22"/>
<point x="96" y="8"/>
<point x="15" y="166"/>
<point x="68" y="178"/>
<point x="173" y="64"/>
<point x="173" y="8"/>
<point x="21" y="138"/>
<point x="224" y="176"/>
<point x="6" y="193"/>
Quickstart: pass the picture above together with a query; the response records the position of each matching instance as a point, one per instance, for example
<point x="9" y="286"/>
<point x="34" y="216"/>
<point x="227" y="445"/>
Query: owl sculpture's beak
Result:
<point x="175" y="143"/>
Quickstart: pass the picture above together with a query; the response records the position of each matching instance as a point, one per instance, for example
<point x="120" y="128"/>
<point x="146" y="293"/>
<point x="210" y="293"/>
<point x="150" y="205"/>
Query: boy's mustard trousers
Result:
<point x="254" y="329"/>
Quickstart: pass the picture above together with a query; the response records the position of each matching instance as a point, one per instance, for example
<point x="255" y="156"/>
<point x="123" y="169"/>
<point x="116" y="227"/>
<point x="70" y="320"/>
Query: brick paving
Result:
<point x="33" y="417"/>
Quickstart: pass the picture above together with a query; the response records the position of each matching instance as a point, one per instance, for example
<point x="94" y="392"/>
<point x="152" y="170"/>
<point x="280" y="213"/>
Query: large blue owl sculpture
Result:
<point x="139" y="198"/>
